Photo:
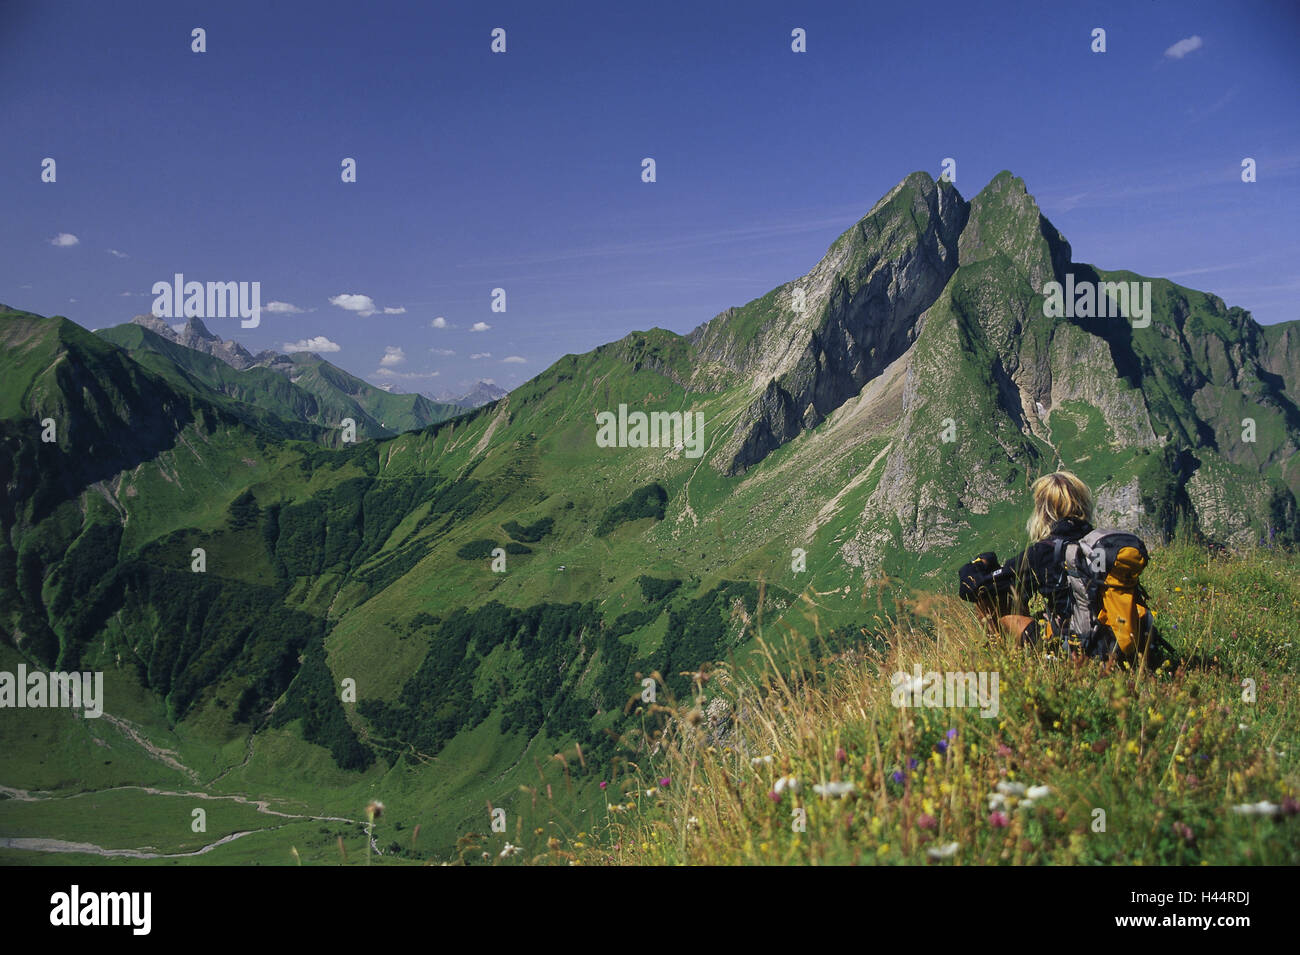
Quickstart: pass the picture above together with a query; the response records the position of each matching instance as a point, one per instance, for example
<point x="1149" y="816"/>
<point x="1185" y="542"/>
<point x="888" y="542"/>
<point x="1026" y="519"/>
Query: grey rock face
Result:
<point x="865" y="299"/>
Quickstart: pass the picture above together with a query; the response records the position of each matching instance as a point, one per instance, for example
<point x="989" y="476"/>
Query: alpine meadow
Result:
<point x="681" y="597"/>
<point x="530" y="621"/>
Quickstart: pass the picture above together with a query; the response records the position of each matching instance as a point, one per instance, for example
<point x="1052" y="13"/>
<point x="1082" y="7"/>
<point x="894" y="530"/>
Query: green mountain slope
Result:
<point x="497" y="586"/>
<point x="299" y="387"/>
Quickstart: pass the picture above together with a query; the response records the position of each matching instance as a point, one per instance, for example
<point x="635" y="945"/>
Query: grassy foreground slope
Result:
<point x="1197" y="766"/>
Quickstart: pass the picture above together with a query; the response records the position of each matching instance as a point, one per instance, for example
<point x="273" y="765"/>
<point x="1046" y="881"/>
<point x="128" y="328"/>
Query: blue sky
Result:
<point x="523" y="170"/>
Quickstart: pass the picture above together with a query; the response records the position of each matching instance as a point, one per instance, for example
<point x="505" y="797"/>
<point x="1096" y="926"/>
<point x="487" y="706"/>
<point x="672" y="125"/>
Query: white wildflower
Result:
<point x="944" y="851"/>
<point x="834" y="789"/>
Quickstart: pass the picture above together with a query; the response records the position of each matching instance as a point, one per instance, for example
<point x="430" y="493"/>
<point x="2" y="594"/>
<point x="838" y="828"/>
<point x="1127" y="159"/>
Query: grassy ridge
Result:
<point x="1166" y="757"/>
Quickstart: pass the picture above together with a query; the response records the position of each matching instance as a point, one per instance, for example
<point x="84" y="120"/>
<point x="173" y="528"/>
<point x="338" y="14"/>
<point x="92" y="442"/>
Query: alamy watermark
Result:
<point x="680" y="430"/>
<point x="37" y="690"/>
<point x="1131" y="300"/>
<point x="75" y="907"/>
<point x="182" y="299"/>
<point x="948" y="689"/>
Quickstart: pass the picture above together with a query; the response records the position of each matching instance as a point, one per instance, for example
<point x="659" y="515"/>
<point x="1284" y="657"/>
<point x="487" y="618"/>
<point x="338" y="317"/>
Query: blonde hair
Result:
<point x="1057" y="497"/>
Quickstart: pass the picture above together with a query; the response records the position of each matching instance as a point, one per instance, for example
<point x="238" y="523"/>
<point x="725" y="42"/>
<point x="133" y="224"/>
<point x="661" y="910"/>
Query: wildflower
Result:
<point x="952" y="733"/>
<point x="998" y="820"/>
<point x="486" y="856"/>
<point x="1004" y="749"/>
<point x="603" y="784"/>
<point x="665" y="781"/>
<point x="1039" y="792"/>
<point x="787" y="782"/>
<point x="1264" y="808"/>
<point x="946" y="851"/>
<point x="942" y="746"/>
<point x="1184" y="832"/>
<point x="997" y="801"/>
<point x="834" y="789"/>
<point x="510" y="850"/>
<point x="1011" y="789"/>
<point x="374" y="810"/>
<point x="760" y="759"/>
<point x="840" y="755"/>
<point x="926" y="821"/>
<point x="898" y="776"/>
<point x="692" y="823"/>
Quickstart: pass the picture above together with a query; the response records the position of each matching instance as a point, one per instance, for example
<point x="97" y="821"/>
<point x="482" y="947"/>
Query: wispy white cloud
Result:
<point x="515" y="359"/>
<point x="442" y="351"/>
<point x="794" y="225"/>
<point x="1202" y="271"/>
<point x="405" y="375"/>
<point x="481" y="354"/>
<point x="318" y="344"/>
<point x="479" y="327"/>
<point x="118" y="255"/>
<point x="392" y="356"/>
<point x="1184" y="46"/>
<point x="64" y="240"/>
<point x="439" y="322"/>
<point x="281" y="308"/>
<point x="399" y="310"/>
<point x="363" y="305"/>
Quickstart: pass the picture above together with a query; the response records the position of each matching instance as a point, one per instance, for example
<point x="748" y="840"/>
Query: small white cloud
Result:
<point x="400" y="310"/>
<point x="118" y="255"/>
<point x="389" y="373"/>
<point x="481" y="354"/>
<point x="514" y="359"/>
<point x="281" y="308"/>
<point x="1180" y="49"/>
<point x="479" y="327"/>
<point x="127" y="294"/>
<point x="64" y="239"/>
<point x="318" y="344"/>
<point x="363" y="305"/>
<point x="438" y="322"/>
<point x="442" y="351"/>
<point x="392" y="356"/>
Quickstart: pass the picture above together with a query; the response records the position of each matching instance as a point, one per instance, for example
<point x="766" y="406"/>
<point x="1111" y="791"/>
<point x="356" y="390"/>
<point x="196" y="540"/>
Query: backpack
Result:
<point x="1105" y="604"/>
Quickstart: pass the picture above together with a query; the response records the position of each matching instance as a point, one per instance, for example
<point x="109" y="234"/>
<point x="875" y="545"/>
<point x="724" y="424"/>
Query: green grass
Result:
<point x="1164" y="758"/>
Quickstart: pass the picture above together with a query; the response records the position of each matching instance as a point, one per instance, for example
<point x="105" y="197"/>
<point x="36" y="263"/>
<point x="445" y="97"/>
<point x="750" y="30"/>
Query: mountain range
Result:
<point x="496" y="585"/>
